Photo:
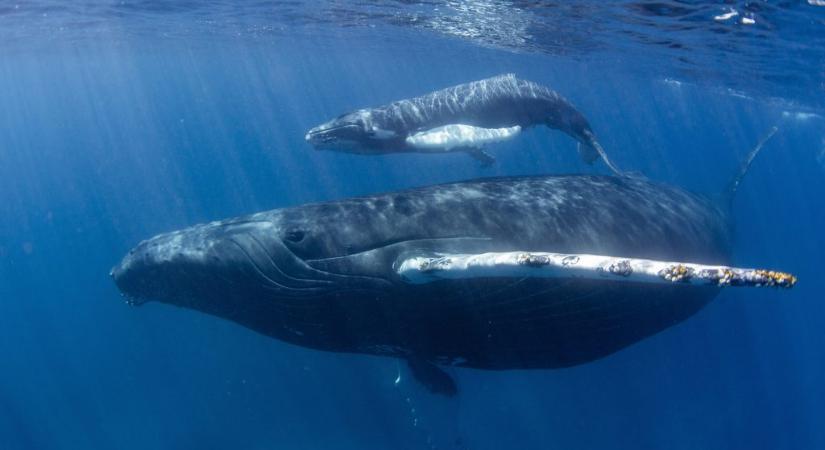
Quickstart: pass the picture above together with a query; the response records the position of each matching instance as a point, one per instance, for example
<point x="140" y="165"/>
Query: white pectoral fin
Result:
<point x="426" y="269"/>
<point x="458" y="136"/>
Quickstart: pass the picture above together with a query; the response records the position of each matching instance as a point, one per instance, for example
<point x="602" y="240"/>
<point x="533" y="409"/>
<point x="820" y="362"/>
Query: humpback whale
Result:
<point x="334" y="275"/>
<point x="461" y="118"/>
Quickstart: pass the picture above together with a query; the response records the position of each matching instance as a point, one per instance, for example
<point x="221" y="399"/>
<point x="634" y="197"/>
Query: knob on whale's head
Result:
<point x="354" y="132"/>
<point x="190" y="265"/>
<point x="159" y="267"/>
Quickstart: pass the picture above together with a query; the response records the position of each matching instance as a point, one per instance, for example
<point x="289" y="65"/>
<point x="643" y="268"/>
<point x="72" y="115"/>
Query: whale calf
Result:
<point x="329" y="276"/>
<point x="461" y="118"/>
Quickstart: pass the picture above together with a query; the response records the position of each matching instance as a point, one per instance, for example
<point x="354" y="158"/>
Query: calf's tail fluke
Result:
<point x="590" y="150"/>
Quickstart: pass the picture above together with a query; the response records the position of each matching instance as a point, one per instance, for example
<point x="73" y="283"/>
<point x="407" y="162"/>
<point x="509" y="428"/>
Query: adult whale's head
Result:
<point x="278" y="254"/>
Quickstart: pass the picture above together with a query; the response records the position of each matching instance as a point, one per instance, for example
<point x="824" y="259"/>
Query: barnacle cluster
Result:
<point x="676" y="272"/>
<point x="772" y="278"/>
<point x="531" y="260"/>
<point x="758" y="277"/>
<point x="434" y="264"/>
<point x="621" y="268"/>
<point x="570" y="260"/>
<point x="724" y="277"/>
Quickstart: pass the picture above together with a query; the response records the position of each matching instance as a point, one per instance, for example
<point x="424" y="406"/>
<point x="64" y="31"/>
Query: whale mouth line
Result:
<point x="326" y="135"/>
<point x="333" y="128"/>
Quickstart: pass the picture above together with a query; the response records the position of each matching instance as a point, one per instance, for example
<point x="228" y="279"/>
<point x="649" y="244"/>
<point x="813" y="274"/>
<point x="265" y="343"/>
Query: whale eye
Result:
<point x="295" y="235"/>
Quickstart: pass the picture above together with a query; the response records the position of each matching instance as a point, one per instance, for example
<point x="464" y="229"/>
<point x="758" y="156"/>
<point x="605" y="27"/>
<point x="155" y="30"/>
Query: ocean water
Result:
<point x="124" y="119"/>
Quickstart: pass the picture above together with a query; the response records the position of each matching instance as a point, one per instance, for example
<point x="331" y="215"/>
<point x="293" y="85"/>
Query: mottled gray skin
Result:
<point x="498" y="102"/>
<point x="322" y="275"/>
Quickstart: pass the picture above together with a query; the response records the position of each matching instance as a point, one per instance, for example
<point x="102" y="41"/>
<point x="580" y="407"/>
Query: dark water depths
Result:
<point x="121" y="120"/>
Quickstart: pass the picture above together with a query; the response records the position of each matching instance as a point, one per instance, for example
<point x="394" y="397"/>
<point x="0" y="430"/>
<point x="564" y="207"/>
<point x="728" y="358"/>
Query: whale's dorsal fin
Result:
<point x="431" y="377"/>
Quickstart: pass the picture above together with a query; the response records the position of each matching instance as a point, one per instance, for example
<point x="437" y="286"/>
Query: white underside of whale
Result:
<point x="455" y="136"/>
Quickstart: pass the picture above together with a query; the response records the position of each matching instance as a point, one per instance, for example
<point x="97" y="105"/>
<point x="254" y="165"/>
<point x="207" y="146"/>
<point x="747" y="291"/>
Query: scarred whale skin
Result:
<point x="322" y="275"/>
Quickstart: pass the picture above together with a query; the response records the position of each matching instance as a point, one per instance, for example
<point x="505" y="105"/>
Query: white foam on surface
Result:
<point x="728" y="15"/>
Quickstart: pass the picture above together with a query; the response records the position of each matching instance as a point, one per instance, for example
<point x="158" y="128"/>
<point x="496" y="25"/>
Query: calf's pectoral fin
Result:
<point x="456" y="136"/>
<point x="590" y="150"/>
<point x="481" y="156"/>
<point x="431" y="377"/>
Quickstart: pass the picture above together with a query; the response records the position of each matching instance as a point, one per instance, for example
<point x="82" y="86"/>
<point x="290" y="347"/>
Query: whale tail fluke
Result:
<point x="733" y="185"/>
<point x="590" y="150"/>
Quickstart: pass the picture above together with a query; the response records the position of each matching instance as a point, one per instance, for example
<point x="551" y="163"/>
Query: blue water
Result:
<point x="121" y="120"/>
